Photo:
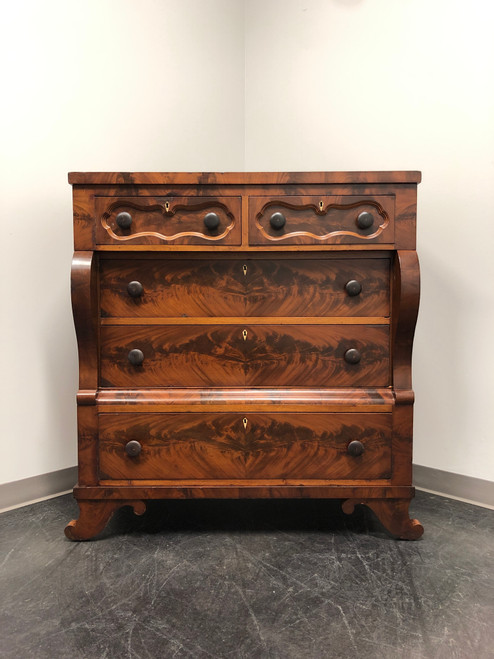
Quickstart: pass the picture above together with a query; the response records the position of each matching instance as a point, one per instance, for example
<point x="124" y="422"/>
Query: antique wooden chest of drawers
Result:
<point x="245" y="335"/>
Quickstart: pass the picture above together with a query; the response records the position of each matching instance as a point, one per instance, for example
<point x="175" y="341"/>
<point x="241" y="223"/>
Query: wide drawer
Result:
<point x="234" y="355"/>
<point x="309" y="220"/>
<point x="168" y="287"/>
<point x="234" y="446"/>
<point x="173" y="220"/>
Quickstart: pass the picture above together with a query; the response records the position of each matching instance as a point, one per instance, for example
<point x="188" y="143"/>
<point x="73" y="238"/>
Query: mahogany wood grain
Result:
<point x="244" y="489"/>
<point x="322" y="219"/>
<point x="404" y="192"/>
<point x="233" y="189"/>
<point x="405" y="214"/>
<point x="83" y="219"/>
<point x="115" y="252"/>
<point x="252" y="320"/>
<point x="262" y="485"/>
<point x="248" y="407"/>
<point x="218" y="446"/>
<point x="240" y="178"/>
<point x="247" y="399"/>
<point x="402" y="444"/>
<point x="87" y="444"/>
<point x="393" y="515"/>
<point x="173" y="288"/>
<point x="177" y="220"/>
<point x="219" y="355"/>
<point x="202" y="374"/>
<point x="95" y="515"/>
<point x="261" y="287"/>
<point x="230" y="249"/>
<point x="406" y="293"/>
<point x="85" y="311"/>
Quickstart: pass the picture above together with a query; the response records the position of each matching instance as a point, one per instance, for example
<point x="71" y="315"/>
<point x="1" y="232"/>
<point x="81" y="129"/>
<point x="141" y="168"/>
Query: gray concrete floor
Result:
<point x="274" y="579"/>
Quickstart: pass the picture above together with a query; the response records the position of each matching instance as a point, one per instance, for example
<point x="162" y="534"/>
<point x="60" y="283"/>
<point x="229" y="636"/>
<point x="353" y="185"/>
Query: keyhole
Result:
<point x="321" y="205"/>
<point x="244" y="268"/>
<point x="244" y="334"/>
<point x="167" y="206"/>
<point x="244" y="421"/>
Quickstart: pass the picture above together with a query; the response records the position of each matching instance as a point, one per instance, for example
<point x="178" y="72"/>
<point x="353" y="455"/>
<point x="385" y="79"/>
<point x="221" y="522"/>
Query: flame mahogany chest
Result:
<point x="245" y="335"/>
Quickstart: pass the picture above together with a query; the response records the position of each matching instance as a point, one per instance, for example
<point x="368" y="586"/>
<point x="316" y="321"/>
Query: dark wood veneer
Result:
<point x="244" y="389"/>
<point x="245" y="287"/>
<point x="240" y="178"/>
<point x="254" y="446"/>
<point x="322" y="219"/>
<point x="176" y="220"/>
<point x="236" y="355"/>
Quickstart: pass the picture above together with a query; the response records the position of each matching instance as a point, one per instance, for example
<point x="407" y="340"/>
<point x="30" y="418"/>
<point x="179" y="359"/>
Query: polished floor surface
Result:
<point x="238" y="579"/>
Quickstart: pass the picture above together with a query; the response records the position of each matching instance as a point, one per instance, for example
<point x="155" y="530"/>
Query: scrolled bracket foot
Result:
<point x="393" y="515"/>
<point x="95" y="515"/>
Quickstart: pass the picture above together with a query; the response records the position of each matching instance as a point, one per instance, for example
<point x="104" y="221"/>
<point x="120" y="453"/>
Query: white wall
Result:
<point x="400" y="84"/>
<point x="125" y="85"/>
<point x="149" y="85"/>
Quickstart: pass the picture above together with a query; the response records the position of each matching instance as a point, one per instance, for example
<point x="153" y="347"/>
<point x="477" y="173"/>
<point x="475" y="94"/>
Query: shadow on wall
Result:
<point x="60" y="370"/>
<point x="438" y="377"/>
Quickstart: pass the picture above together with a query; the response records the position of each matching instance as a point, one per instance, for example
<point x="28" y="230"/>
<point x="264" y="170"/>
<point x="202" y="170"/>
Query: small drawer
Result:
<point x="251" y="446"/>
<point x="303" y="220"/>
<point x="212" y="355"/>
<point x="168" y="220"/>
<point x="262" y="287"/>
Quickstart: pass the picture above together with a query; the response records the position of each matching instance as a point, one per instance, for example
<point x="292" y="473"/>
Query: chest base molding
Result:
<point x="389" y="504"/>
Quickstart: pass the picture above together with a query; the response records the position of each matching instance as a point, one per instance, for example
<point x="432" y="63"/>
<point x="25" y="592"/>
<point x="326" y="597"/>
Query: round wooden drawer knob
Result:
<point x="353" y="287"/>
<point x="212" y="221"/>
<point x="277" y="221"/>
<point x="124" y="220"/>
<point x="135" y="289"/>
<point x="355" y="448"/>
<point x="352" y="356"/>
<point x="365" y="220"/>
<point x="136" y="357"/>
<point x="133" y="448"/>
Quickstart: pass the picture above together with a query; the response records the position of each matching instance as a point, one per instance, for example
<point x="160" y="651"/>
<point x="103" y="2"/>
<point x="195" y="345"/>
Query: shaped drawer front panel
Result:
<point x="168" y="220"/>
<point x="216" y="446"/>
<point x="309" y="220"/>
<point x="236" y="355"/>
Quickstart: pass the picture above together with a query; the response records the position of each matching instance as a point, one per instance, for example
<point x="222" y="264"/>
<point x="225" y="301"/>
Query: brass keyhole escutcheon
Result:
<point x="321" y="205"/>
<point x="244" y="268"/>
<point x="244" y="335"/>
<point x="167" y="206"/>
<point x="245" y="422"/>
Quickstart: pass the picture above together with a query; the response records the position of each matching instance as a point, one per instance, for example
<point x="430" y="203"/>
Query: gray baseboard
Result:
<point x="475" y="490"/>
<point x="457" y="486"/>
<point x="44" y="486"/>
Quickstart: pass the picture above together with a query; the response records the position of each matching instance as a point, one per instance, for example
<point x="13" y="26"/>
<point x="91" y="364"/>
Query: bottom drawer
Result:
<point x="230" y="446"/>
